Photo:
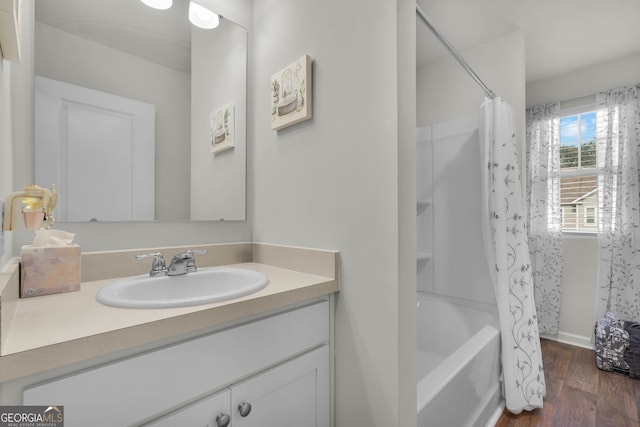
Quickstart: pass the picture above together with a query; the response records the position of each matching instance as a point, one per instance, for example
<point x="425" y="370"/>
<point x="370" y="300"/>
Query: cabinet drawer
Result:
<point x="142" y="386"/>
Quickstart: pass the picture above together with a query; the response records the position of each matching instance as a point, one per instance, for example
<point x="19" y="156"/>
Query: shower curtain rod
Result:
<point x="455" y="53"/>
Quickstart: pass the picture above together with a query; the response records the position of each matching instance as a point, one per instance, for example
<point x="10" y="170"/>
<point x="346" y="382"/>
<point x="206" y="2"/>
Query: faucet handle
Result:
<point x="196" y="251"/>
<point x="158" y="267"/>
<point x="191" y="260"/>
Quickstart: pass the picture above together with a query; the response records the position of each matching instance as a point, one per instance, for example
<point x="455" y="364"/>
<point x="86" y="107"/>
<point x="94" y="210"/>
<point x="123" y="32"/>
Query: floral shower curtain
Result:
<point x="508" y="257"/>
<point x="618" y="157"/>
<point x="544" y="221"/>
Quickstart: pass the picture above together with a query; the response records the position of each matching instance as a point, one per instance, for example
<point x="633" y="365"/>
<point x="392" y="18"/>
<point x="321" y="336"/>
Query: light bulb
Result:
<point x="158" y="4"/>
<point x="202" y="17"/>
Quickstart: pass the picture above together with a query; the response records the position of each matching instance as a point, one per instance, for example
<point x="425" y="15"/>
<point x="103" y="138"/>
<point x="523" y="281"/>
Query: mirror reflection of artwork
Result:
<point x="222" y="128"/>
<point x="291" y="94"/>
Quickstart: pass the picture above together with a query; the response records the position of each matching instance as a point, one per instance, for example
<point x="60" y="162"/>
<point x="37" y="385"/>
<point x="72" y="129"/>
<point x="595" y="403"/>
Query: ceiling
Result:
<point x="160" y="36"/>
<point x="560" y="35"/>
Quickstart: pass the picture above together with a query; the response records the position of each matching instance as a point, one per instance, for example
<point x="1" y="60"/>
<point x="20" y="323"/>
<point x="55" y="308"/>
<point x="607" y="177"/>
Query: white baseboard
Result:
<point x="495" y="417"/>
<point x="572" y="339"/>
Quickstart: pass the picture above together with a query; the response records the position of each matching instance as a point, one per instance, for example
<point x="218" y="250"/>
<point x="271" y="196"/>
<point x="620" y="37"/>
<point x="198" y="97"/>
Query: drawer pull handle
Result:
<point x="223" y="420"/>
<point x="244" y="408"/>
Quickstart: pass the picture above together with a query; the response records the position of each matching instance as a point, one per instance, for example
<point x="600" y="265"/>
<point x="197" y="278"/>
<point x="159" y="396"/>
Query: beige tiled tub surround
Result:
<point x="46" y="332"/>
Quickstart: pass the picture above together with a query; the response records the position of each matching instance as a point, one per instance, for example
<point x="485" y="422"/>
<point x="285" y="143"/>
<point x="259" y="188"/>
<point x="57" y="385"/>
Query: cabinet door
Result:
<point x="212" y="411"/>
<point x="294" y="394"/>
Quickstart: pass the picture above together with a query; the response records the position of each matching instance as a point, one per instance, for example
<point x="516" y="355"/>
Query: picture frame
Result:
<point x="222" y="122"/>
<point x="291" y="94"/>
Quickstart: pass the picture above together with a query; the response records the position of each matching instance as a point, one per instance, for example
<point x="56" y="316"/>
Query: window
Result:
<point x="591" y="215"/>
<point x="578" y="174"/>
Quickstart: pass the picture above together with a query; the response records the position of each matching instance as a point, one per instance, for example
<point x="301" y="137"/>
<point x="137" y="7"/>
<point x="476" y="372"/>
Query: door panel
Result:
<point x="98" y="149"/>
<point x="295" y="394"/>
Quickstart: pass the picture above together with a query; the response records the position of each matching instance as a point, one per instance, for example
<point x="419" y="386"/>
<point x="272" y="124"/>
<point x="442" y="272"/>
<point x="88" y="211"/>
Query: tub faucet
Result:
<point x="184" y="262"/>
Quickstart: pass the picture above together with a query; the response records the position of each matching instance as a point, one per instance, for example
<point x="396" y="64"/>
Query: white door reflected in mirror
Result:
<point x="98" y="149"/>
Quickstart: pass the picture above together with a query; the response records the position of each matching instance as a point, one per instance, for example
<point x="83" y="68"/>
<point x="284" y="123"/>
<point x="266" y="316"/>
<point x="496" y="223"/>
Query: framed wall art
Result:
<point x="222" y="128"/>
<point x="291" y="94"/>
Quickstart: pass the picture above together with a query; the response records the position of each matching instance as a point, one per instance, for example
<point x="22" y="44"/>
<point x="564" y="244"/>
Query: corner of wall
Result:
<point x="6" y="154"/>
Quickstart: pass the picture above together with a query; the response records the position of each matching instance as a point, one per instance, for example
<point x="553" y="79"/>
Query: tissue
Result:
<point x="50" y="265"/>
<point x="51" y="237"/>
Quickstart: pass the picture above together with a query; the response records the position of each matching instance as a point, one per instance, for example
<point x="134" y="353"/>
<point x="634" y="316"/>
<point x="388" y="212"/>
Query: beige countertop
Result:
<point x="57" y="330"/>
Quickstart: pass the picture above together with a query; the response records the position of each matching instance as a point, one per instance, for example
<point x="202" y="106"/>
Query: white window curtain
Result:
<point x="544" y="221"/>
<point x="508" y="257"/>
<point x="618" y="135"/>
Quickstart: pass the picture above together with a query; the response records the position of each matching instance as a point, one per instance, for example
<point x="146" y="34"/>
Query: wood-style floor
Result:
<point x="579" y="394"/>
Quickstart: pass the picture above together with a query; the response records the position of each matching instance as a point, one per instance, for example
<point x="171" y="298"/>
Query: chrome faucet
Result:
<point x="181" y="263"/>
<point x="158" y="267"/>
<point x="185" y="262"/>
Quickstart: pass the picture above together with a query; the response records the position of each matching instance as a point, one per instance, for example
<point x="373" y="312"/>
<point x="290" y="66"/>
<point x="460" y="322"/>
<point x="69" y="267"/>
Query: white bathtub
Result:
<point x="458" y="363"/>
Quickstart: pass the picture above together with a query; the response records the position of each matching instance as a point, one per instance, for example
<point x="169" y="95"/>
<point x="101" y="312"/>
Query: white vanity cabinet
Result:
<point x="213" y="411"/>
<point x="289" y="395"/>
<point x="279" y="365"/>
<point x="292" y="394"/>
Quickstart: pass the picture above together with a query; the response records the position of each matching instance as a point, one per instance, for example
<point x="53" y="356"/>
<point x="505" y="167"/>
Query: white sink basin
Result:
<point x="204" y="286"/>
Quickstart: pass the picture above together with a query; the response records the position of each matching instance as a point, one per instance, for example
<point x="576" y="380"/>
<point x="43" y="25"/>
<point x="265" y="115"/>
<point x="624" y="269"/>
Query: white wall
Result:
<point x="579" y="282"/>
<point x="446" y="92"/>
<point x="16" y="117"/>
<point x="580" y="253"/>
<point x="449" y="99"/>
<point x="407" y="191"/>
<point x="586" y="81"/>
<point x="333" y="182"/>
<point x="6" y="151"/>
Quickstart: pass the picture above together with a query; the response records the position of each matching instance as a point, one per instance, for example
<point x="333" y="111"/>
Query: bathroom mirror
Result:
<point x="157" y="58"/>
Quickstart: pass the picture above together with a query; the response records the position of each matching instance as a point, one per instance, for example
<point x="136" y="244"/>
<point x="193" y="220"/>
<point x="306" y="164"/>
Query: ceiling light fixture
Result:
<point x="202" y="17"/>
<point x="158" y="4"/>
<point x="199" y="15"/>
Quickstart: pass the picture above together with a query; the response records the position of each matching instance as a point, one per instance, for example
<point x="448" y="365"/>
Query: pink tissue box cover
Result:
<point x="49" y="270"/>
